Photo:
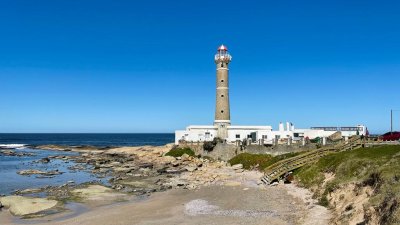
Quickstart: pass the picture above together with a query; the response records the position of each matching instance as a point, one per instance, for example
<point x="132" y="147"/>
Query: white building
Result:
<point x="264" y="134"/>
<point x="223" y="129"/>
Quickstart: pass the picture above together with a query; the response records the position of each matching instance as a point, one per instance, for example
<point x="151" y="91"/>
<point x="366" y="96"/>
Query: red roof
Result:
<point x="222" y="48"/>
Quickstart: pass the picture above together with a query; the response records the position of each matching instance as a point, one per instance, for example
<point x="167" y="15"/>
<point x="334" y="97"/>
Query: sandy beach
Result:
<point x="207" y="205"/>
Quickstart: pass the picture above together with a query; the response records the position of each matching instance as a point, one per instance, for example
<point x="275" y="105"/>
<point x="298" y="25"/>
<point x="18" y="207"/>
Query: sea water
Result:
<point x="101" y="140"/>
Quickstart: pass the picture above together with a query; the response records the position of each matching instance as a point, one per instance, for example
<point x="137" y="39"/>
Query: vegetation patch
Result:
<point x="178" y="152"/>
<point x="378" y="168"/>
<point x="210" y="145"/>
<point x="260" y="161"/>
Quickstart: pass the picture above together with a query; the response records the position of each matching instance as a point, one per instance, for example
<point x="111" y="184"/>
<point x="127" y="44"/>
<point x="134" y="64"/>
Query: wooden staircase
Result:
<point x="284" y="167"/>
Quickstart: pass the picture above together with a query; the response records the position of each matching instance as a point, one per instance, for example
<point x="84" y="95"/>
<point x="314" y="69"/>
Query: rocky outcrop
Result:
<point x="39" y="172"/>
<point x="14" y="153"/>
<point x="22" y="206"/>
<point x="98" y="193"/>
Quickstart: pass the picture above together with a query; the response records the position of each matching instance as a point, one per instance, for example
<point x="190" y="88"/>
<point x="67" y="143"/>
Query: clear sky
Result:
<point x="147" y="66"/>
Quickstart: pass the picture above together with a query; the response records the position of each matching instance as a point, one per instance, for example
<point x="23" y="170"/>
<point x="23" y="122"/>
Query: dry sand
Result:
<point x="208" y="205"/>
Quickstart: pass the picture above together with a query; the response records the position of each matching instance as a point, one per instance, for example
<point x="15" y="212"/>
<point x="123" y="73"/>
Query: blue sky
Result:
<point x="147" y="66"/>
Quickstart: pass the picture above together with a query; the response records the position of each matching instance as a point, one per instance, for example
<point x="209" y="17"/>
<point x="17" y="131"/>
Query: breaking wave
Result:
<point x="12" y="146"/>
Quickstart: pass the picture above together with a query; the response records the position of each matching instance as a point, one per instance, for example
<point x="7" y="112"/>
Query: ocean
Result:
<point x="99" y="140"/>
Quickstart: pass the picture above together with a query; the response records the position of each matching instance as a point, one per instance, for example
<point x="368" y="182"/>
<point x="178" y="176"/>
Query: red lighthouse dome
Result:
<point x="222" y="48"/>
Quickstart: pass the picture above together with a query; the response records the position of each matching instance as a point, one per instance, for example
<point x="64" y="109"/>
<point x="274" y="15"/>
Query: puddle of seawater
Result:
<point x="10" y="165"/>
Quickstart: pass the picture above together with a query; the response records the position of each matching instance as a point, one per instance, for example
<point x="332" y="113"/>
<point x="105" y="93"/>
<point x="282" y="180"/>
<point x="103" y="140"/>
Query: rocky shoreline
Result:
<point x="133" y="171"/>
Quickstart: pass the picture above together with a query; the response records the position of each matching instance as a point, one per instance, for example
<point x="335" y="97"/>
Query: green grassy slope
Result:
<point x="376" y="167"/>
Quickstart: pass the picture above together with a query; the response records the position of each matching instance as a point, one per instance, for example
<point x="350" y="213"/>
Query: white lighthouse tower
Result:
<point x="222" y="109"/>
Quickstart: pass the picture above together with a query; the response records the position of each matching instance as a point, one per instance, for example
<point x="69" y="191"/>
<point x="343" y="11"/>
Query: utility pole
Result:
<point x="391" y="121"/>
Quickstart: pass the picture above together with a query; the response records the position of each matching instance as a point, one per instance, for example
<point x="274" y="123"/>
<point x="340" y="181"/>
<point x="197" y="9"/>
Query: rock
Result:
<point x="8" y="152"/>
<point x="39" y="172"/>
<point x="185" y="157"/>
<point x="191" y="168"/>
<point x="115" y="164"/>
<point x="99" y="193"/>
<point x="28" y="191"/>
<point x="237" y="166"/>
<point x="162" y="170"/>
<point x="146" y="165"/>
<point x="122" y="170"/>
<point x="44" y="160"/>
<point x="175" y="163"/>
<point x="172" y="171"/>
<point x="239" y="171"/>
<point x="21" y="206"/>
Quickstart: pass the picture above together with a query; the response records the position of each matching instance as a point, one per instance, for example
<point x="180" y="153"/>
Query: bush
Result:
<point x="178" y="152"/>
<point x="251" y="160"/>
<point x="323" y="201"/>
<point x="210" y="145"/>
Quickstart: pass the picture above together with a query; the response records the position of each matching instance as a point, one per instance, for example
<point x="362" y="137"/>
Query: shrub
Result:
<point x="210" y="145"/>
<point x="251" y="160"/>
<point x="323" y="201"/>
<point x="178" y="152"/>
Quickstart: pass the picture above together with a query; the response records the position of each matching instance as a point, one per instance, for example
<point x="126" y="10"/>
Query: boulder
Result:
<point x="21" y="206"/>
<point x="185" y="157"/>
<point x="237" y="167"/>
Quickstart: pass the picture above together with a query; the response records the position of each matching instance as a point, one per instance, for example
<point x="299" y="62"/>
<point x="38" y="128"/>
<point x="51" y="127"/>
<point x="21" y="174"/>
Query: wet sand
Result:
<point x="208" y="205"/>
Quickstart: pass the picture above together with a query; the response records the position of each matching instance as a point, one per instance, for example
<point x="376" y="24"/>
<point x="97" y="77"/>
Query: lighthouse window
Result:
<point x="222" y="65"/>
<point x="222" y="95"/>
<point x="222" y="111"/>
<point x="222" y="81"/>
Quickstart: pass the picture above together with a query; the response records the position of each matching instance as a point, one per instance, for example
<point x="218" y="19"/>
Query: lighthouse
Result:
<point x="222" y="109"/>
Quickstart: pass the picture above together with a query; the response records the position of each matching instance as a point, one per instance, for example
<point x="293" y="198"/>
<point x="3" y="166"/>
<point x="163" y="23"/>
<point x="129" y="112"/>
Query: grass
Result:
<point x="178" y="152"/>
<point x="251" y="161"/>
<point x="377" y="167"/>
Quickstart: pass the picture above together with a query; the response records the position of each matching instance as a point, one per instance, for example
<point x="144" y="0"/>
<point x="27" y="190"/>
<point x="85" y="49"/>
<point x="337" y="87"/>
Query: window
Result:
<point x="222" y="81"/>
<point x="265" y="137"/>
<point x="237" y="135"/>
<point x="222" y="96"/>
<point x="222" y="64"/>
<point x="222" y="111"/>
